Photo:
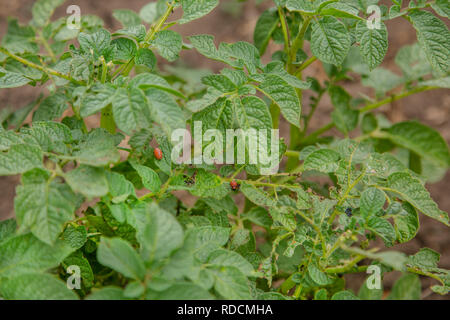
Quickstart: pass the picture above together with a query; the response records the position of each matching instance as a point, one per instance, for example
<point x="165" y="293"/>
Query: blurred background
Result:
<point x="234" y="21"/>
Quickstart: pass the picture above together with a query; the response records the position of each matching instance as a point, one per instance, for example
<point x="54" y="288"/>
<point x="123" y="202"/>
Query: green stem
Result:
<point x="298" y="41"/>
<point x="41" y="68"/>
<point x="287" y="43"/>
<point x="313" y="136"/>
<point x="305" y="65"/>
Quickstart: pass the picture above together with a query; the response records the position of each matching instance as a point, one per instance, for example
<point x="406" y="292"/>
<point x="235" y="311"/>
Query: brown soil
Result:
<point x="431" y="108"/>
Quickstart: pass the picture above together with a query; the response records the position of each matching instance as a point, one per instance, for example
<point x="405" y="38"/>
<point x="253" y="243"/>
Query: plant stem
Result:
<point x="306" y="64"/>
<point x="287" y="43"/>
<point x="313" y="136"/>
<point x="41" y="68"/>
<point x="298" y="41"/>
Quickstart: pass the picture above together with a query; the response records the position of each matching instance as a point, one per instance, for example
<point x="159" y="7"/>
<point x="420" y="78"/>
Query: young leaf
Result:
<point x="371" y="202"/>
<point x="408" y="287"/>
<point x="169" y="44"/>
<point x="121" y="257"/>
<point x="323" y="160"/>
<point x="127" y="17"/>
<point x="231" y="284"/>
<point x="19" y="159"/>
<point x="257" y="196"/>
<point x="194" y="9"/>
<point x="433" y="37"/>
<point x="330" y="40"/>
<point x="373" y="43"/>
<point x="35" y="286"/>
<point x="88" y="181"/>
<point x="421" y="139"/>
<point x="383" y="229"/>
<point x="131" y="110"/>
<point x="284" y="95"/>
<point x="411" y="190"/>
<point x="406" y="223"/>
<point x="160" y="235"/>
<point x="44" y="207"/>
<point x="265" y="26"/>
<point x="42" y="10"/>
<point x="24" y="254"/>
<point x="150" y="178"/>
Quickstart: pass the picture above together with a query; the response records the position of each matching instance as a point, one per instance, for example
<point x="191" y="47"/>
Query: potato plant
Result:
<point x="98" y="202"/>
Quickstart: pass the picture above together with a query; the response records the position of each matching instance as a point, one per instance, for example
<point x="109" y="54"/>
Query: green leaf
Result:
<point x="86" y="273"/>
<point x="201" y="241"/>
<point x="152" y="11"/>
<point x="145" y="57"/>
<point x="383" y="229"/>
<point x="89" y="181"/>
<point x="165" y="111"/>
<point x="12" y="79"/>
<point x="411" y="190"/>
<point x="19" y="159"/>
<point x="106" y="293"/>
<point x="284" y="217"/>
<point x="303" y="6"/>
<point x="76" y="237"/>
<point x="413" y="62"/>
<point x="160" y="235"/>
<point x="284" y="95"/>
<point x="330" y="40"/>
<point x="98" y="149"/>
<point x="219" y="116"/>
<point x="406" y="223"/>
<point x="119" y="187"/>
<point x="344" y="295"/>
<point x="194" y="9"/>
<point x="340" y="10"/>
<point x="265" y="26"/>
<point x="369" y="294"/>
<point x="121" y="257"/>
<point x="382" y="80"/>
<point x="408" y="287"/>
<point x="169" y="44"/>
<point x="257" y="196"/>
<point x="51" y="107"/>
<point x="371" y="202"/>
<point x="98" y="97"/>
<point x="44" y="207"/>
<point x="258" y="216"/>
<point x="35" y="286"/>
<point x="123" y="50"/>
<point x="7" y="229"/>
<point x="373" y="43"/>
<point x="442" y="8"/>
<point x="185" y="291"/>
<point x="98" y="42"/>
<point x="421" y="139"/>
<point x="231" y="284"/>
<point x="131" y="110"/>
<point x="19" y="39"/>
<point x="425" y="260"/>
<point x="433" y="37"/>
<point x="24" y="254"/>
<point x="150" y="178"/>
<point x="127" y="17"/>
<point x="252" y="112"/>
<point x="205" y="45"/>
<point x="42" y="11"/>
<point x="226" y="258"/>
<point x="438" y="82"/>
<point x="149" y="80"/>
<point x="318" y="276"/>
<point x="345" y="118"/>
<point x="322" y="160"/>
<point x="219" y="82"/>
